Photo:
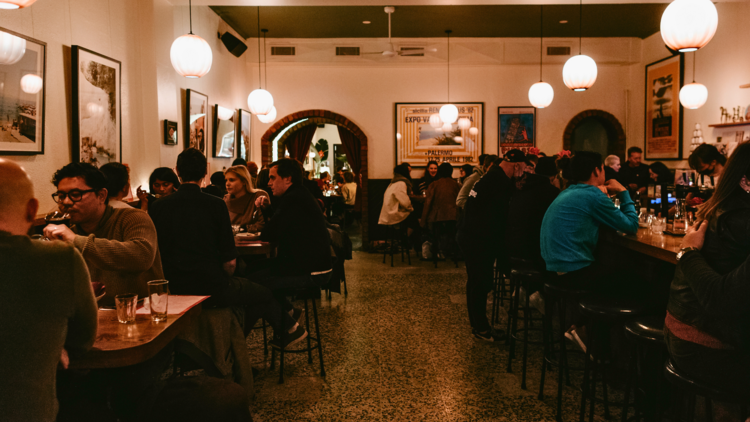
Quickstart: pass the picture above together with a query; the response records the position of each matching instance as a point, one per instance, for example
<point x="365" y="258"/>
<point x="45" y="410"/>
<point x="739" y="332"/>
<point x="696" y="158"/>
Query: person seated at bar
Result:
<point x="526" y="212"/>
<point x="439" y="213"/>
<point x="465" y="171"/>
<point x="311" y="186"/>
<point x="325" y="181"/>
<point x="481" y="236"/>
<point x="118" y="184"/>
<point x="634" y="174"/>
<point x="218" y="186"/>
<point x="570" y="230"/>
<point x="485" y="161"/>
<point x="709" y="163"/>
<point x="162" y="182"/>
<point x="297" y="227"/>
<point x="430" y="175"/>
<point x="119" y="245"/>
<point x="708" y="318"/>
<point x="397" y="206"/>
<point x="611" y="167"/>
<point x="660" y="174"/>
<point x="349" y="189"/>
<point x="240" y="199"/>
<point x="47" y="306"/>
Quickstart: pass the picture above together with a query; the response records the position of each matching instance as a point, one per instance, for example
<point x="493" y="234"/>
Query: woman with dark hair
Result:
<point x="163" y="182"/>
<point x="430" y="175"/>
<point x="439" y="213"/>
<point x="396" y="203"/>
<point x="466" y="171"/>
<point x="708" y="317"/>
<point x="660" y="174"/>
<point x="709" y="163"/>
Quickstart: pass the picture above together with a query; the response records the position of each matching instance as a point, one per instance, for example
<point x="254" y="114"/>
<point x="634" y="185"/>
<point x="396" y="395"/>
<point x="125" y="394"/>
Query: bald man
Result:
<point x="46" y="303"/>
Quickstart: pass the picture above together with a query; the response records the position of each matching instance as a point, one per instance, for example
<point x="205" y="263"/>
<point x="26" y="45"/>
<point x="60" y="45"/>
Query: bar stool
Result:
<point x="529" y="280"/>
<point x="693" y="387"/>
<point x="602" y="312"/>
<point x="498" y="292"/>
<point x="263" y="325"/>
<point x="442" y="229"/>
<point x="312" y="294"/>
<point x="648" y="351"/>
<point x="397" y="232"/>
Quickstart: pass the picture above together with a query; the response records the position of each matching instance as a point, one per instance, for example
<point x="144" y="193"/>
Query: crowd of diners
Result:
<point x="550" y="210"/>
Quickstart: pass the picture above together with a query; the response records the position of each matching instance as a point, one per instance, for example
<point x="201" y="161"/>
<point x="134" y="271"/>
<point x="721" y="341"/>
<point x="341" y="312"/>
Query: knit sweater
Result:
<point x="46" y="303"/>
<point x="241" y="211"/>
<point x="122" y="252"/>
<point x="463" y="194"/>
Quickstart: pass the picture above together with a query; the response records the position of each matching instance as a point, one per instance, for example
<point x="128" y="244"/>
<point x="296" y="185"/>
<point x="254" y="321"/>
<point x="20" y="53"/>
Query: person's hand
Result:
<point x="695" y="236"/>
<point x="59" y="232"/>
<point x="262" y="202"/>
<point x="64" y="359"/>
<point x="142" y="194"/>
<point x="642" y="190"/>
<point x="632" y="186"/>
<point x="614" y="187"/>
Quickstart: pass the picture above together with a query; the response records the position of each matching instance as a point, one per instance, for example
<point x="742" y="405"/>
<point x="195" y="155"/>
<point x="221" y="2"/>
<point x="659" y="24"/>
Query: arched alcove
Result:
<point x="595" y="123"/>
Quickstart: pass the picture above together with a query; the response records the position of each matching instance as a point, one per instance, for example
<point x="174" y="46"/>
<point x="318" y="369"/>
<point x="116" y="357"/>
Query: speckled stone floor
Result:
<point x="399" y="348"/>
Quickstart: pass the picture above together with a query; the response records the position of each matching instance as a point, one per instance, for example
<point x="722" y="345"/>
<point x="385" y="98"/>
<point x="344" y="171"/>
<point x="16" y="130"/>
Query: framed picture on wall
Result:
<point x="242" y="133"/>
<point x="223" y="135"/>
<point x="196" y="120"/>
<point x="170" y="133"/>
<point x="417" y="142"/>
<point x="516" y="128"/>
<point x="663" y="137"/>
<point x="97" y="109"/>
<point x="22" y="85"/>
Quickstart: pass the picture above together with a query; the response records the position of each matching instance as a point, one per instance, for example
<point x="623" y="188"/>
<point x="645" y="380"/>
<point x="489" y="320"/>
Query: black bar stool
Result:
<point x="312" y="294"/>
<point x="263" y="325"/>
<point x="648" y="352"/>
<point x="529" y="280"/>
<point x="397" y="239"/>
<point x="693" y="387"/>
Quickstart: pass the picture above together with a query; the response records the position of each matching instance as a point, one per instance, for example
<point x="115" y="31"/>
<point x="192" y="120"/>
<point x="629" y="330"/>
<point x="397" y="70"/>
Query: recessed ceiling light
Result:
<point x="563" y="21"/>
<point x="366" y="22"/>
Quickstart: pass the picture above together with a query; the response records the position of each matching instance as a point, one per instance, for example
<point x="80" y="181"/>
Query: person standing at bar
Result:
<point x="634" y="174"/>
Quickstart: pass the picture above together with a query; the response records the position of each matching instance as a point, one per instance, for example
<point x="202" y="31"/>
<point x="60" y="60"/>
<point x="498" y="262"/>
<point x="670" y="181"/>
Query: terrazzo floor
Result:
<point x="399" y="348"/>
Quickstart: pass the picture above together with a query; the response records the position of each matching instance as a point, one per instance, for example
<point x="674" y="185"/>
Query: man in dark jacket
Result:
<point x="634" y="174"/>
<point x="481" y="235"/>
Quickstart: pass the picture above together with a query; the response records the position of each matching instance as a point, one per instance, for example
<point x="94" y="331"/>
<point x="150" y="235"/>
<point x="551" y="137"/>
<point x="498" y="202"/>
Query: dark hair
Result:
<point x="445" y="170"/>
<point x="633" y="150"/>
<point x="94" y="178"/>
<point x="218" y="179"/>
<point x="541" y="154"/>
<point x="582" y="165"/>
<point x="191" y="165"/>
<point x="481" y="158"/>
<point x="262" y="181"/>
<point x="737" y="167"/>
<point x="468" y="170"/>
<point x="239" y="162"/>
<point x="431" y="162"/>
<point x="117" y="178"/>
<point x="348" y="177"/>
<point x="662" y="172"/>
<point x="286" y="167"/>
<point x="533" y="159"/>
<point x="705" y="153"/>
<point x="323" y="175"/>
<point x="165" y="174"/>
<point x="489" y="159"/>
<point x="403" y="170"/>
<point x="252" y="168"/>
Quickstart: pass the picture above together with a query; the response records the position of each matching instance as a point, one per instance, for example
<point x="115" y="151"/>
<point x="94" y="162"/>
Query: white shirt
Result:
<point x="396" y="204"/>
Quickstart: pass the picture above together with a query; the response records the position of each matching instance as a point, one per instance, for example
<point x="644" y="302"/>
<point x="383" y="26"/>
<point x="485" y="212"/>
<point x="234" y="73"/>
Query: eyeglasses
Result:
<point x="75" y="195"/>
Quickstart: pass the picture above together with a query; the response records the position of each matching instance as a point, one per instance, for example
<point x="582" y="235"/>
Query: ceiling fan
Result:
<point x="390" y="52"/>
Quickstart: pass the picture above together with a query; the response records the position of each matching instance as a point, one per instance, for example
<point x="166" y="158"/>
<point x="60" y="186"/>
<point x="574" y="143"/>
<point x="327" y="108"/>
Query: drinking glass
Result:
<point x="126" y="304"/>
<point x="158" y="294"/>
<point x="235" y="229"/>
<point x="658" y="225"/>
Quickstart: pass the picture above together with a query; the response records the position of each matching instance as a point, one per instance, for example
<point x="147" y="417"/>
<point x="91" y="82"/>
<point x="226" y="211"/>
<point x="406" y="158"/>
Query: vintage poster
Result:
<point x="419" y="142"/>
<point x="516" y="128"/>
<point x="196" y="111"/>
<point x="663" y="137"/>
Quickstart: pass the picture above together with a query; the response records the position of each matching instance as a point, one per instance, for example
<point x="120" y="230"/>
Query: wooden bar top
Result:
<point x="660" y="246"/>
<point x="253" y="247"/>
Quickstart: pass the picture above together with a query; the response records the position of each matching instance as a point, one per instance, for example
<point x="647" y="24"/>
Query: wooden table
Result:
<point x="119" y="345"/>
<point x="659" y="246"/>
<point x="255" y="247"/>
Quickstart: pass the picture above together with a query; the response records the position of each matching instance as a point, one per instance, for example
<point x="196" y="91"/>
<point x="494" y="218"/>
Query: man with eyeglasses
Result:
<point x="119" y="245"/>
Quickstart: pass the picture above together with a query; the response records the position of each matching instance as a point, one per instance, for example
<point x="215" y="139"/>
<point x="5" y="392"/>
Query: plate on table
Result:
<point x="243" y="237"/>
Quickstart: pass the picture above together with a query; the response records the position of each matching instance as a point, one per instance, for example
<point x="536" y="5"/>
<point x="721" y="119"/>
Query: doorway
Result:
<point x="595" y="130"/>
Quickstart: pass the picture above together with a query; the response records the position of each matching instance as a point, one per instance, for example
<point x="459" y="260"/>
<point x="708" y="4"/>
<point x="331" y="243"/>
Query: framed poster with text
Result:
<point x="663" y="137"/>
<point x="421" y="143"/>
<point x="516" y="128"/>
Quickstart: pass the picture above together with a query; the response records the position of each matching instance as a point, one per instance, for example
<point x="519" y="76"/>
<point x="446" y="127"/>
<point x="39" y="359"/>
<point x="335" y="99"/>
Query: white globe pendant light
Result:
<point x="579" y="72"/>
<point x="447" y="127"/>
<point x="688" y="25"/>
<point x="448" y="113"/>
<point x="398" y="136"/>
<point x="269" y="117"/>
<point x="31" y="84"/>
<point x="260" y="101"/>
<point x="464" y="123"/>
<point x="15" y="4"/>
<point x="435" y="121"/>
<point x="224" y="113"/>
<point x="12" y="48"/>
<point x="458" y="139"/>
<point x="190" y="54"/>
<point x="693" y="95"/>
<point x="541" y="93"/>
<point x="473" y="131"/>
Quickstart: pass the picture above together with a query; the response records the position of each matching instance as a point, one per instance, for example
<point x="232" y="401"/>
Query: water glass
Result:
<point x="158" y="294"/>
<point x="235" y="229"/>
<point x="658" y="225"/>
<point x="126" y="304"/>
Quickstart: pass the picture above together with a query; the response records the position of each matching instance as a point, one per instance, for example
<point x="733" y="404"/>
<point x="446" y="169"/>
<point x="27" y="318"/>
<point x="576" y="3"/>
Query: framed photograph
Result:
<point x="97" y="109"/>
<point x="663" y="137"/>
<point x="170" y="133"/>
<point x="516" y="128"/>
<point x="22" y="85"/>
<point x="196" y="120"/>
<point x="417" y="142"/>
<point x="223" y="135"/>
<point x="242" y="133"/>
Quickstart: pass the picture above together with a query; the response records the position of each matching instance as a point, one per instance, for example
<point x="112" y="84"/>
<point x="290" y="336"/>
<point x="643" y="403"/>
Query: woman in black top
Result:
<point x="660" y="174"/>
<point x="430" y="175"/>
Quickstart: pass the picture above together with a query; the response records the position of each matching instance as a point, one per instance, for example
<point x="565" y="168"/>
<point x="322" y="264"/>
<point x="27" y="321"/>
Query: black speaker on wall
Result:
<point x="233" y="44"/>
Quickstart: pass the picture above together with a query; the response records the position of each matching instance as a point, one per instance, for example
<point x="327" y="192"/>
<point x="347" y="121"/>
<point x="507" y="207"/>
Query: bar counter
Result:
<point x="660" y="246"/>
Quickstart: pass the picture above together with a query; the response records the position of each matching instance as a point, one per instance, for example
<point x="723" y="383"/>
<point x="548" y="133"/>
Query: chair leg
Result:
<point x="710" y="410"/>
<point x="585" y="388"/>
<point x="691" y="408"/>
<point x="265" y="337"/>
<point x="282" y="338"/>
<point x="563" y="359"/>
<point x="630" y="384"/>
<point x="526" y="325"/>
<point x="307" y="327"/>
<point x="393" y="244"/>
<point x="545" y="348"/>
<point x="320" y="338"/>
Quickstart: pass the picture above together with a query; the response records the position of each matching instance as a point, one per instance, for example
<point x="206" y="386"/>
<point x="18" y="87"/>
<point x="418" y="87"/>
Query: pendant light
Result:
<point x="688" y="25"/>
<point x="541" y="93"/>
<point x="447" y="127"/>
<point x="449" y="112"/>
<point x="190" y="54"/>
<point x="12" y="48"/>
<point x="435" y="121"/>
<point x="31" y="84"/>
<point x="579" y="72"/>
<point x="693" y="95"/>
<point x="260" y="101"/>
<point x="224" y="113"/>
<point x="464" y="123"/>
<point x="473" y="131"/>
<point x="271" y="115"/>
<point x="15" y="4"/>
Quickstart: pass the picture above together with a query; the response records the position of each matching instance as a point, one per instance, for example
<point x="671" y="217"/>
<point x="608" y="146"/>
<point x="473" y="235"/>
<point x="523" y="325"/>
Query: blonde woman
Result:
<point x="240" y="199"/>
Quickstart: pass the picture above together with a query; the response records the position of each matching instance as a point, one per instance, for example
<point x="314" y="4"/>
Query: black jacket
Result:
<point x="296" y="226"/>
<point x="525" y="215"/>
<point x="638" y="175"/>
<point x="710" y="289"/>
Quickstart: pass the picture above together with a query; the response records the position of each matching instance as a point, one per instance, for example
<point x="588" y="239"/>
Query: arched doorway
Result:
<point x="595" y="130"/>
<point x="356" y="144"/>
